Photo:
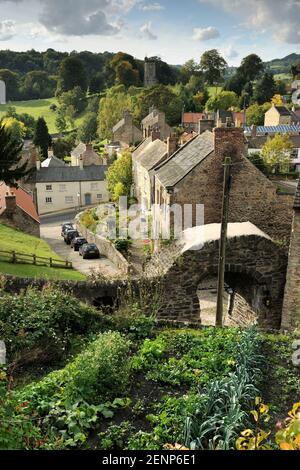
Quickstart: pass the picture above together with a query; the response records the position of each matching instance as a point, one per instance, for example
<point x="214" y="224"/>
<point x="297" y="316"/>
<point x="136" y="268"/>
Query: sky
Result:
<point x="175" y="30"/>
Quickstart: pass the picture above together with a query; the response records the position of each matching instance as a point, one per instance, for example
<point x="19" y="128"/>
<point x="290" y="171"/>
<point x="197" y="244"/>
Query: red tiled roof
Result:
<point x="192" y="118"/>
<point x="23" y="200"/>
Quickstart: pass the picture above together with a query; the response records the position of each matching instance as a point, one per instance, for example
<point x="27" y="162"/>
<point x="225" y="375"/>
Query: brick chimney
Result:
<point x="10" y="202"/>
<point x="38" y="164"/>
<point x="50" y="152"/>
<point x="172" y="145"/>
<point x="229" y="142"/>
<point x="81" y="162"/>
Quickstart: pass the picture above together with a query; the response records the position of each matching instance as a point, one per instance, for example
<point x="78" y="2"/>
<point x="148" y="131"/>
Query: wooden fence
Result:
<point x="24" y="258"/>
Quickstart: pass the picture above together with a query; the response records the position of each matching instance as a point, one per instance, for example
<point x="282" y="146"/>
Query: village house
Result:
<point x="190" y="121"/>
<point x="126" y="132"/>
<point x="58" y="186"/>
<point x="17" y="210"/>
<point x="145" y="158"/>
<point x="281" y="116"/>
<point x="194" y="175"/>
<point x="88" y="155"/>
<point x="257" y="136"/>
<point x="156" y="120"/>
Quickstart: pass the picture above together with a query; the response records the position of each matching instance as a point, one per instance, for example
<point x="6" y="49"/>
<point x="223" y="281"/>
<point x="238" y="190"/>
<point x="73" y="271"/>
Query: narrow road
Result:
<point x="51" y="233"/>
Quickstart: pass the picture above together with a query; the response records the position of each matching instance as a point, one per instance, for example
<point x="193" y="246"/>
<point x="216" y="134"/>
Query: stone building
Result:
<point x="150" y="78"/>
<point x="190" y="121"/>
<point x="281" y="116"/>
<point x="156" y="121"/>
<point x="59" y="187"/>
<point x="145" y="158"/>
<point x="87" y="154"/>
<point x="2" y="92"/>
<point x="126" y="132"/>
<point x="194" y="175"/>
<point x="18" y="210"/>
<point x="291" y="304"/>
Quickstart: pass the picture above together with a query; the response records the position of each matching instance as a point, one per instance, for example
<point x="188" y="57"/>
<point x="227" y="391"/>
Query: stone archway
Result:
<point x="255" y="270"/>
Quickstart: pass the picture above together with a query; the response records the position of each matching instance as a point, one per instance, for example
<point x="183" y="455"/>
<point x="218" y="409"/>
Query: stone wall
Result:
<point x="21" y="221"/>
<point x="291" y="306"/>
<point x="106" y="248"/>
<point x="261" y="262"/>
<point x="253" y="197"/>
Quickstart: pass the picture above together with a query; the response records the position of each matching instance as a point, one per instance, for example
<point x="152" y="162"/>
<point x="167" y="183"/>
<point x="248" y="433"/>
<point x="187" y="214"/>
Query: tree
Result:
<point x="75" y="98"/>
<point x="235" y="83"/>
<point x="88" y="129"/>
<point x="251" y="67"/>
<point x="11" y="169"/>
<point x="162" y="98"/>
<point x="189" y="69"/>
<point x="38" y="84"/>
<point x="257" y="160"/>
<point x="63" y="146"/>
<point x="277" y="100"/>
<point x="119" y="191"/>
<point x="111" y="110"/>
<point x="60" y="121"/>
<point x="126" y="74"/>
<point x="213" y="65"/>
<point x="16" y="128"/>
<point x="71" y="75"/>
<point x="41" y="137"/>
<point x="276" y="152"/>
<point x="295" y="70"/>
<point x="120" y="172"/>
<point x="11" y="80"/>
<point x="223" y="100"/>
<point x="255" y="114"/>
<point x="265" y="89"/>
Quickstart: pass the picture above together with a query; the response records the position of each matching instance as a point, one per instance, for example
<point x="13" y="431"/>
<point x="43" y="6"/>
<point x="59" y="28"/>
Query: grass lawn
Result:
<point x="22" y="243"/>
<point x="37" y="108"/>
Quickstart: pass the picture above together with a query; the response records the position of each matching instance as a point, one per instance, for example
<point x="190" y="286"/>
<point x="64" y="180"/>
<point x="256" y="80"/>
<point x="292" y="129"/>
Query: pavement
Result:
<point x="51" y="233"/>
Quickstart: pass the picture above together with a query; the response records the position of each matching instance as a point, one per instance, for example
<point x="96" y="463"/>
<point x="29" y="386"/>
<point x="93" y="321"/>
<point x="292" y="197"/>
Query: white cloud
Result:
<point x="280" y="17"/>
<point x="81" y="17"/>
<point x="204" y="34"/>
<point x="7" y="29"/>
<point x="147" y="32"/>
<point x="152" y="7"/>
<point x="230" y="53"/>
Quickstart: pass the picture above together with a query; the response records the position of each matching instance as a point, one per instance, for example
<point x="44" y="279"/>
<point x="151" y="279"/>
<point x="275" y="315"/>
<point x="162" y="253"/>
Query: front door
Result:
<point x="88" y="199"/>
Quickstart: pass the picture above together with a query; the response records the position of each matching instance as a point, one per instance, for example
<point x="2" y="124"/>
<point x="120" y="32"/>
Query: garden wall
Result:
<point x="106" y="248"/>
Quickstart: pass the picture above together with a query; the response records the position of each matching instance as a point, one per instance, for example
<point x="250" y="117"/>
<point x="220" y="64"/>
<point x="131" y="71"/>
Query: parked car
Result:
<point x="66" y="226"/>
<point x="89" y="250"/>
<point x="69" y="235"/>
<point x="77" y="242"/>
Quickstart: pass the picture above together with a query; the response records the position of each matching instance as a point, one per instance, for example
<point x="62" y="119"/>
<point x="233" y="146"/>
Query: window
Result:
<point x="48" y="200"/>
<point x="62" y="187"/>
<point x="48" y="187"/>
<point x="69" y="199"/>
<point x="94" y="186"/>
<point x="99" y="196"/>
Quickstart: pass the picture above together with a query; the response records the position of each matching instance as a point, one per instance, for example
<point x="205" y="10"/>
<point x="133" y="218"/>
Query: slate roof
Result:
<point x="283" y="111"/>
<point x="258" y="141"/>
<point x="70" y="173"/>
<point x="119" y="125"/>
<point x="297" y="198"/>
<point x="79" y="150"/>
<point x="152" y="154"/>
<point x="140" y="148"/>
<point x="52" y="162"/>
<point x="152" y="117"/>
<point x="185" y="159"/>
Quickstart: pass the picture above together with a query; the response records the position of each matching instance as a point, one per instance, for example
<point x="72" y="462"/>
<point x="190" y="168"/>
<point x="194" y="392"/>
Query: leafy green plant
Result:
<point x="116" y="437"/>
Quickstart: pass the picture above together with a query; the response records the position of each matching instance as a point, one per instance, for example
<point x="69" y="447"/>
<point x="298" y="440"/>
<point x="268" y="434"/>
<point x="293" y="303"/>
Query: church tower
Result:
<point x="150" y="73"/>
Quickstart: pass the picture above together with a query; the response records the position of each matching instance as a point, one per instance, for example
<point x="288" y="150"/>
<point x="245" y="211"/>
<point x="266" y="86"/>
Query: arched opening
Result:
<point x="244" y="299"/>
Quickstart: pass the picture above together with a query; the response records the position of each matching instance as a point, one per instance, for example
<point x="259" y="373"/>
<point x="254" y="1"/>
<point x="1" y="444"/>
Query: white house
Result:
<point x="59" y="187"/>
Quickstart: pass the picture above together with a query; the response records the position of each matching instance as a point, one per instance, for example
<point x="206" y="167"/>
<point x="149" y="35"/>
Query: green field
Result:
<point x="37" y="108"/>
<point x="22" y="243"/>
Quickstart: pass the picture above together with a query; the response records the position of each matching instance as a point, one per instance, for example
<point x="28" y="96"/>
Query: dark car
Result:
<point x="89" y="250"/>
<point x="66" y="226"/>
<point x="69" y="235"/>
<point x="77" y="242"/>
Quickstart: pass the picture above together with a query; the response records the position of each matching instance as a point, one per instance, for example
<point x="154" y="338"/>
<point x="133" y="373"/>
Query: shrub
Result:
<point x="38" y="327"/>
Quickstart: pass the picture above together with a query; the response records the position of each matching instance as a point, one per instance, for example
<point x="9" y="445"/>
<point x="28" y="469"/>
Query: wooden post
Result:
<point x="34" y="259"/>
<point x="50" y="262"/>
<point x="223" y="240"/>
<point x="14" y="258"/>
